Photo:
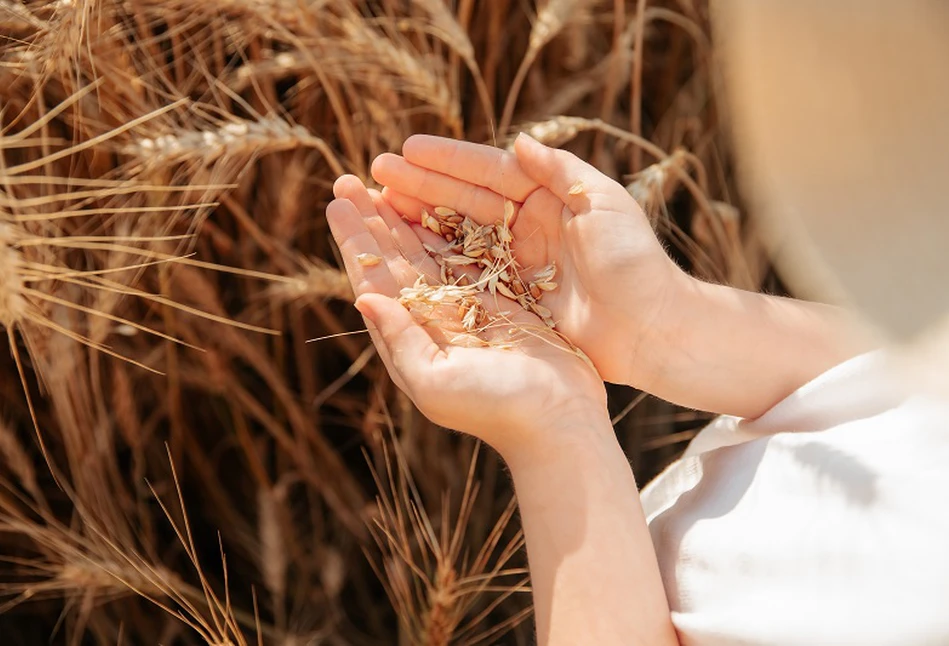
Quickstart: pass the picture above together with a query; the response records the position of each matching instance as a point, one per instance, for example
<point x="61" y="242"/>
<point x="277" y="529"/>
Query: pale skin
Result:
<point x="639" y="318"/>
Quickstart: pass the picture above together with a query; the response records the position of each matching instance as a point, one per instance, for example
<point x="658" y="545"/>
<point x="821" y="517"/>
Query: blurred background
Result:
<point x="197" y="443"/>
<point x="838" y="113"/>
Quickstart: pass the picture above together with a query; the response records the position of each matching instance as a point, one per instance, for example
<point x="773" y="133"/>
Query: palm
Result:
<point x="525" y="375"/>
<point x="613" y="272"/>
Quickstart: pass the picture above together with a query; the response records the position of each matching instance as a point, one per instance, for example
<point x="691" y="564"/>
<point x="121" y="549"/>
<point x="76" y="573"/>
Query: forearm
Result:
<point x="594" y="573"/>
<point x="740" y="353"/>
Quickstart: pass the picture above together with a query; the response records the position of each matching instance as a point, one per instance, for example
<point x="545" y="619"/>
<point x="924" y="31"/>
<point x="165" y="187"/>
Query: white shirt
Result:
<point x="824" y="521"/>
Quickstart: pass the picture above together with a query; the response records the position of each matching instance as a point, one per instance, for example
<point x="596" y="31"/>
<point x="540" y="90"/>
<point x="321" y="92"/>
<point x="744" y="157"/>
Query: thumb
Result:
<point x="560" y="171"/>
<point x="409" y="348"/>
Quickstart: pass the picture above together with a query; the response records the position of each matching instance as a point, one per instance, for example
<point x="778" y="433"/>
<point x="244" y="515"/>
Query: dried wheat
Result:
<point x="13" y="306"/>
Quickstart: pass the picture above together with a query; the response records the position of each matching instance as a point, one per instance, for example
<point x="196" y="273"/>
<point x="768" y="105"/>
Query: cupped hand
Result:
<point x="511" y="385"/>
<point x="616" y="283"/>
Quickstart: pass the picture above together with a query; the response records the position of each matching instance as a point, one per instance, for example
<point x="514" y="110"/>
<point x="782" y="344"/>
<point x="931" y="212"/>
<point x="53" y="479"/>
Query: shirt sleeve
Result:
<point x="834" y="533"/>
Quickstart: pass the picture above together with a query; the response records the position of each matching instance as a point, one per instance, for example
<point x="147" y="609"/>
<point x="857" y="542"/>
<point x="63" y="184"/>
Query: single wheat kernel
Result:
<point x="546" y="274"/>
<point x="445" y="211"/>
<point x="577" y="188"/>
<point x="506" y="291"/>
<point x="470" y="320"/>
<point x="493" y="285"/>
<point x="508" y="213"/>
<point x="461" y="261"/>
<point x="368" y="259"/>
<point x="430" y="223"/>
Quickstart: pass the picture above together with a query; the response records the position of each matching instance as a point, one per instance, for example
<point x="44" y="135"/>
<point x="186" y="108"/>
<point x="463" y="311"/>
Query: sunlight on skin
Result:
<point x="544" y="410"/>
<point x="419" y="358"/>
<point x="592" y="235"/>
<point x="622" y="300"/>
<point x="624" y="303"/>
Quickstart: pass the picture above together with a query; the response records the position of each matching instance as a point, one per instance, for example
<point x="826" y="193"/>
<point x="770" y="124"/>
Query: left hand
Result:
<point x="619" y="295"/>
<point x="514" y="397"/>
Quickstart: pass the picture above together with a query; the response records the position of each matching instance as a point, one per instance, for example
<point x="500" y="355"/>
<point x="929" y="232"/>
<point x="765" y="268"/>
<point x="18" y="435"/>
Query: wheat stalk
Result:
<point x="432" y="585"/>
<point x="161" y="158"/>
<point x="19" y="462"/>
<point x="416" y="77"/>
<point x="13" y="306"/>
<point x="234" y="139"/>
<point x="551" y="19"/>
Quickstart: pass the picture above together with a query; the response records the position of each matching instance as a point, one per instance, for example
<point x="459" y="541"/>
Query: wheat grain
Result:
<point x="316" y="282"/>
<point x="441" y="616"/>
<point x="471" y="244"/>
<point x="368" y="259"/>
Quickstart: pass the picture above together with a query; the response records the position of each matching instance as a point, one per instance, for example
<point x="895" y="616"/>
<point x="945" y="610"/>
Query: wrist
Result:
<point x="578" y="433"/>
<point x="657" y="349"/>
<point x="731" y="351"/>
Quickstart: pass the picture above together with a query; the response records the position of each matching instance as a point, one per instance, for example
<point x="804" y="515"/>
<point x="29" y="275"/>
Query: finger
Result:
<point x="411" y="210"/>
<point x="405" y="237"/>
<point x="409" y="207"/>
<point x="404" y="273"/>
<point x="487" y="166"/>
<point x="410" y="349"/>
<point x="354" y="239"/>
<point x="384" y="355"/>
<point x="509" y="323"/>
<point x="481" y="204"/>
<point x="573" y="181"/>
<point x="350" y="187"/>
<point x="401" y="231"/>
<point x="533" y="230"/>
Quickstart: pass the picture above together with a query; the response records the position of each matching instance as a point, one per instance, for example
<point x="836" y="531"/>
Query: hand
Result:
<point x="513" y="397"/>
<point x="593" y="571"/>
<point x="616" y="282"/>
<point x="621" y="299"/>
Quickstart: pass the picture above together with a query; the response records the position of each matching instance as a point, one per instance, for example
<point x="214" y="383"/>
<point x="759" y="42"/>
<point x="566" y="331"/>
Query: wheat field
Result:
<point x="197" y="444"/>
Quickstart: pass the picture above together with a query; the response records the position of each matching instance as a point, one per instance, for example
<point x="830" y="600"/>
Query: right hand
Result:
<point x="617" y="289"/>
